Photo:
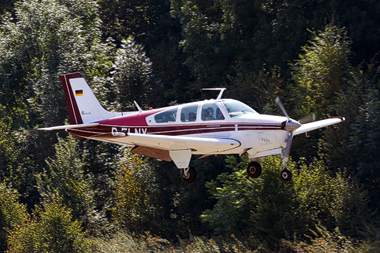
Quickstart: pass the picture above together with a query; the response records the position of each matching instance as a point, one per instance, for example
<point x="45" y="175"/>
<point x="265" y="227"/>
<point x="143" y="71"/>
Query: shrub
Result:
<point x="13" y="215"/>
<point x="51" y="229"/>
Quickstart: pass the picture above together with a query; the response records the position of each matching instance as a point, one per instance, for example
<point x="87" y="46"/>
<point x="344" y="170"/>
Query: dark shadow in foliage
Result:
<point x="365" y="145"/>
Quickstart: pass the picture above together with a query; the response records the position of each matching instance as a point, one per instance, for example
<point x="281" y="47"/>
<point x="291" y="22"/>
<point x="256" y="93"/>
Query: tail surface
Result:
<point x="82" y="105"/>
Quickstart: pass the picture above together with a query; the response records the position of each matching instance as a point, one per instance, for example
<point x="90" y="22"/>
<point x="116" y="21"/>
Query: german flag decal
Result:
<point x="79" y="93"/>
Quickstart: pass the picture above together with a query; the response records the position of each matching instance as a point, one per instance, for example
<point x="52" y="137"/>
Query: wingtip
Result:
<point x="338" y="117"/>
<point x="44" y="129"/>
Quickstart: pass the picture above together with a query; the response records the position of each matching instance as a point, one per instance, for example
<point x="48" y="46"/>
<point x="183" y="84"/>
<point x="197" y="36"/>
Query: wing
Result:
<point x="68" y="127"/>
<point x="318" y="124"/>
<point x="199" y="144"/>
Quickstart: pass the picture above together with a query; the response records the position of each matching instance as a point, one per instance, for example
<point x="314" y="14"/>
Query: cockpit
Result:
<point x="213" y="110"/>
<point x="237" y="108"/>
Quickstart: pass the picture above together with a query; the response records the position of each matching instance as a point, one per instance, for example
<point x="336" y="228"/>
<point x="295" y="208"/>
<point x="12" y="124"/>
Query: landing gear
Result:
<point x="286" y="175"/>
<point x="254" y="169"/>
<point x="290" y="126"/>
<point x="188" y="175"/>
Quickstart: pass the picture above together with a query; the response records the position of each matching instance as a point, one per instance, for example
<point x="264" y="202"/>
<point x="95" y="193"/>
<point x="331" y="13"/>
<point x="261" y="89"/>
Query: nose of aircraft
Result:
<point x="292" y="125"/>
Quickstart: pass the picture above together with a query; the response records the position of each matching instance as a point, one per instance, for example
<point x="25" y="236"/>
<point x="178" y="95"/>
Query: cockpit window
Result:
<point x="167" y="116"/>
<point x="236" y="108"/>
<point x="211" y="111"/>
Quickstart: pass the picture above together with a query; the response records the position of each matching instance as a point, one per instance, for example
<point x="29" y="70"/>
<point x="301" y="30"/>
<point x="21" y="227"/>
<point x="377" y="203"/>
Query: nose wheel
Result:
<point x="290" y="126"/>
<point x="286" y="175"/>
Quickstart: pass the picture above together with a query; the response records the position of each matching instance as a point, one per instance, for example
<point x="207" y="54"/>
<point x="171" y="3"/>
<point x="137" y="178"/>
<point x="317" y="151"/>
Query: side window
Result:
<point x="167" y="116"/>
<point x="211" y="112"/>
<point x="189" y="113"/>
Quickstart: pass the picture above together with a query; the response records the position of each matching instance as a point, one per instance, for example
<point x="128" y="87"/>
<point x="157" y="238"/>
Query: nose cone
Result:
<point x="292" y="125"/>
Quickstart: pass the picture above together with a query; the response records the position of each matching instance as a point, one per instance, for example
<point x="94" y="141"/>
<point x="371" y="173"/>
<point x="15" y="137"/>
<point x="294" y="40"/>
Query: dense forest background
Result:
<point x="59" y="193"/>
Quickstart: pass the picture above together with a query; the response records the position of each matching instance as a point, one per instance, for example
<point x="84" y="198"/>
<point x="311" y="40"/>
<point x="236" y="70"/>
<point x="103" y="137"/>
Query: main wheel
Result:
<point x="189" y="176"/>
<point x="254" y="169"/>
<point x="286" y="175"/>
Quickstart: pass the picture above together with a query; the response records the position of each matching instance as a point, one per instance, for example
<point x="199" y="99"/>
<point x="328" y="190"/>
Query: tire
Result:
<point x="286" y="175"/>
<point x="191" y="175"/>
<point x="254" y="169"/>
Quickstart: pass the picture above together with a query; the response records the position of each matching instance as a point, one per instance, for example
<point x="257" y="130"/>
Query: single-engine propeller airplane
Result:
<point x="175" y="133"/>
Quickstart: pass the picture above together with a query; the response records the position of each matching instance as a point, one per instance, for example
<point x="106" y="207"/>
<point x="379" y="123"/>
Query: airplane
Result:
<point x="175" y="133"/>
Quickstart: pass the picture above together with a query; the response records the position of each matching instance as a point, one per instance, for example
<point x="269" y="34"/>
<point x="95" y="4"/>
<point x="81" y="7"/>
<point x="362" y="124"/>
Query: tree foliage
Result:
<point x="46" y="39"/>
<point x="135" y="193"/>
<point x="52" y="229"/>
<point x="65" y="177"/>
<point x="322" y="71"/>
<point x="132" y="71"/>
<point x="270" y="209"/>
<point x="13" y="215"/>
<point x="364" y="143"/>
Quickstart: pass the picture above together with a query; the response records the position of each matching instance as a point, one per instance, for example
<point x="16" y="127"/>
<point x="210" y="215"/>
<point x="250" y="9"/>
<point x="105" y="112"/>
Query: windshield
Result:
<point x="236" y="108"/>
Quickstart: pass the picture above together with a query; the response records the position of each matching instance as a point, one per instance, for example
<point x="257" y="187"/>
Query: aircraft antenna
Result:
<point x="221" y="90"/>
<point x="138" y="107"/>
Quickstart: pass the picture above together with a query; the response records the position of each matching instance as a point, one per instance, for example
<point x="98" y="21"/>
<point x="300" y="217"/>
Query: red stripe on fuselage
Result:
<point x="138" y="119"/>
<point x="172" y="130"/>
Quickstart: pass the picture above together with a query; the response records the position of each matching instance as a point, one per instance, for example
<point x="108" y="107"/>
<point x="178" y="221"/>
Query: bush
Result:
<point x="135" y="192"/>
<point x="51" y="229"/>
<point x="13" y="215"/>
<point x="271" y="209"/>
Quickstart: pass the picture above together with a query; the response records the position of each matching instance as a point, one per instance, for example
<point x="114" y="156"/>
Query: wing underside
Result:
<point x="159" y="146"/>
<point x="160" y="154"/>
<point x="199" y="144"/>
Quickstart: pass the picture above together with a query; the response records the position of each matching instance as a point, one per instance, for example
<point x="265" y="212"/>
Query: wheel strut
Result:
<point x="188" y="175"/>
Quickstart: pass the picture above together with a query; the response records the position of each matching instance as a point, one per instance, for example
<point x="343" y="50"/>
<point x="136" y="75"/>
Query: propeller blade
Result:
<point x="288" y="145"/>
<point x="278" y="101"/>
<point x="290" y="127"/>
<point x="307" y="119"/>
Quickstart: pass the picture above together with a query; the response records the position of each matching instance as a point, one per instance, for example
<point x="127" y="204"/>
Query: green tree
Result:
<point x="132" y="71"/>
<point x="48" y="38"/>
<point x="44" y="40"/>
<point x="323" y="77"/>
<point x="265" y="204"/>
<point x="66" y="177"/>
<point x="219" y="36"/>
<point x="333" y="200"/>
<point x="364" y="144"/>
<point x="135" y="194"/>
<point x="322" y="71"/>
<point x="13" y="215"/>
<point x="51" y="229"/>
<point x="271" y="209"/>
<point x="227" y="215"/>
<point x="151" y="24"/>
<point x="8" y="150"/>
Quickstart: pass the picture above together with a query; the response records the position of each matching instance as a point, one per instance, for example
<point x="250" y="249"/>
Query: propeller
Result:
<point x="290" y="127"/>
<point x="278" y="101"/>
